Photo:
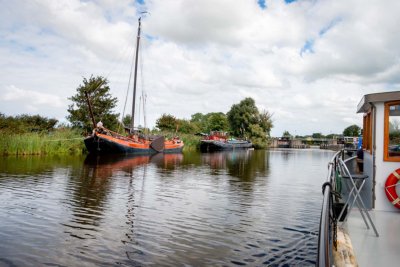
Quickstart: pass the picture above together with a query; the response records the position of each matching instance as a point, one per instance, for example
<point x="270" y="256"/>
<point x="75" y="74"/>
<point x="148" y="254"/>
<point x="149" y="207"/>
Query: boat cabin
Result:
<point x="381" y="145"/>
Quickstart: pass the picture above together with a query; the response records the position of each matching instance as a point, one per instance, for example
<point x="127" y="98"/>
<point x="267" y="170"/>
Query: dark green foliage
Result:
<point x="167" y="122"/>
<point x="331" y="136"/>
<point x="242" y="115"/>
<point x="213" y="121"/>
<point x="26" y="123"/>
<point x="286" y="134"/>
<point x="258" y="136"/>
<point x="126" y="120"/>
<point x="352" y="130"/>
<point x="216" y="121"/>
<point x="102" y="105"/>
<point x="317" y="135"/>
<point x="187" y="127"/>
<point x="246" y="121"/>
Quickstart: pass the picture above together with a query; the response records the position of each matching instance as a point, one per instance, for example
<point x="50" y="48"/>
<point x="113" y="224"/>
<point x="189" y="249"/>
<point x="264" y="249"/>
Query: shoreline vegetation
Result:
<point x="60" y="141"/>
<point x="36" y="135"/>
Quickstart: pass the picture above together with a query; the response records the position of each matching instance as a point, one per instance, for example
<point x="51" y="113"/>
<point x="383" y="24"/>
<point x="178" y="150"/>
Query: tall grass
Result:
<point x="63" y="141"/>
<point x="60" y="141"/>
<point x="192" y="142"/>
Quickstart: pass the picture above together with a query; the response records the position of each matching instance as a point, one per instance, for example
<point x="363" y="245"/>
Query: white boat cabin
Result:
<point x="381" y="145"/>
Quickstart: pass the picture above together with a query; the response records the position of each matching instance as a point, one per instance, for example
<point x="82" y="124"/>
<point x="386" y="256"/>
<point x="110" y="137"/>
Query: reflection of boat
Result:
<point x="106" y="164"/>
<point x="104" y="141"/>
<point x="368" y="234"/>
<point x="217" y="140"/>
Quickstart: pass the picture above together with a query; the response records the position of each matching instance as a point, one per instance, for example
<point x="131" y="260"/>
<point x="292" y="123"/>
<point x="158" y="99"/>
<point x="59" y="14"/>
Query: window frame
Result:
<point x="367" y="132"/>
<point x="386" y="156"/>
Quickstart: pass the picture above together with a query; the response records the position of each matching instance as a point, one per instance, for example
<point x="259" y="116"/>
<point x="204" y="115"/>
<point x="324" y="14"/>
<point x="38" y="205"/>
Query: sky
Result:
<point x="306" y="62"/>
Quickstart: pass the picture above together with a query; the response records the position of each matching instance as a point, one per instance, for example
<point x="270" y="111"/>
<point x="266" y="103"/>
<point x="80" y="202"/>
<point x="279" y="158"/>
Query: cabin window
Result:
<point x="392" y="131"/>
<point x="367" y="132"/>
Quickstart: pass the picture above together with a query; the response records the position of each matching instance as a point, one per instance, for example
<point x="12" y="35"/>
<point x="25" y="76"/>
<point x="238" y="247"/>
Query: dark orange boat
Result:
<point x="105" y="141"/>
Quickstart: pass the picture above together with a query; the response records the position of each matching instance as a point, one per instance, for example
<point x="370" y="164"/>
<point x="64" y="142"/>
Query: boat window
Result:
<point x="392" y="131"/>
<point x="367" y="132"/>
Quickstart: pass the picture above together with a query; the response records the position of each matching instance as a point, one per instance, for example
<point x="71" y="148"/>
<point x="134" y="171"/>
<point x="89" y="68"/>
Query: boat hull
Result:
<point x="214" y="145"/>
<point x="104" y="144"/>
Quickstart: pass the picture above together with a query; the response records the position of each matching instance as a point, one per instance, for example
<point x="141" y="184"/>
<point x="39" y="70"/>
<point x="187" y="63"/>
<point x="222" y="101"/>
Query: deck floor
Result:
<point x="369" y="249"/>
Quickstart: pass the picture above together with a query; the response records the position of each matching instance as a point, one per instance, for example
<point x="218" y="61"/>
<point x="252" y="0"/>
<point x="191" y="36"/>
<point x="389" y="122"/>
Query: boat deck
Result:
<point x="369" y="249"/>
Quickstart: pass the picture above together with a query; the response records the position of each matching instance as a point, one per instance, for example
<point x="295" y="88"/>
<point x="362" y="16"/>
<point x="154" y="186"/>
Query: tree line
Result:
<point x="243" y="120"/>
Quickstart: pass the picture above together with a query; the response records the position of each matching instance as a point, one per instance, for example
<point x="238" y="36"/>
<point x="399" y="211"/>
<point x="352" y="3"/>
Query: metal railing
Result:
<point x="326" y="225"/>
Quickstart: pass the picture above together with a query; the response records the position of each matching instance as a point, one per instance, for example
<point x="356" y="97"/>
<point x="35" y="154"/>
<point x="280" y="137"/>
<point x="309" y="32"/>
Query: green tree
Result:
<point x="217" y="121"/>
<point x="352" y="130"/>
<point x="200" y="122"/>
<point x="257" y="136"/>
<point x="317" y="135"/>
<point x="102" y="105"/>
<point x="331" y="136"/>
<point x="246" y="121"/>
<point x="187" y="127"/>
<point x="167" y="122"/>
<point x="126" y="120"/>
<point x="242" y="115"/>
<point x="26" y="123"/>
<point x="286" y="134"/>
<point x="265" y="121"/>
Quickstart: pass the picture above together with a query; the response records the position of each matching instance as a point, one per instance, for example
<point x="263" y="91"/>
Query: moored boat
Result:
<point x="218" y="140"/>
<point x="105" y="141"/>
<point x="363" y="225"/>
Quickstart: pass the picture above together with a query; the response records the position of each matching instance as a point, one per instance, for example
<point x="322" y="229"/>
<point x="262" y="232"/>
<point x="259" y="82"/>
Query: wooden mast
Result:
<point x="135" y="77"/>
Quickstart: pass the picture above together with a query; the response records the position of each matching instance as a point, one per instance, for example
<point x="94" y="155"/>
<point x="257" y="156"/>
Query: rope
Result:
<point x="63" y="139"/>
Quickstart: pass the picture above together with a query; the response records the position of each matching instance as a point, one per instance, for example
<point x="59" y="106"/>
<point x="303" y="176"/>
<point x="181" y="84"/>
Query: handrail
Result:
<point x="325" y="240"/>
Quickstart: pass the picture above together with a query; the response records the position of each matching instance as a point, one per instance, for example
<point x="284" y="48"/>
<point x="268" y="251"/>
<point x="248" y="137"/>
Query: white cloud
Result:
<point x="205" y="56"/>
<point x="35" y="99"/>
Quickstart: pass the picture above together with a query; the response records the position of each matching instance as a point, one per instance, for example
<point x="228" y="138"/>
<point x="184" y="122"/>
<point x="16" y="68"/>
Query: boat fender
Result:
<point x="390" y="188"/>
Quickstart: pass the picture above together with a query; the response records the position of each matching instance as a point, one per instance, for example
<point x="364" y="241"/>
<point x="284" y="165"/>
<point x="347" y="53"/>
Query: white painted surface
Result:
<point x="383" y="168"/>
<point x="372" y="251"/>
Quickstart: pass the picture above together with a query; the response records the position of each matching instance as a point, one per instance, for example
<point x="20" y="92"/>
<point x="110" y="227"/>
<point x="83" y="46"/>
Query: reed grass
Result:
<point x="192" y="142"/>
<point x="60" y="141"/>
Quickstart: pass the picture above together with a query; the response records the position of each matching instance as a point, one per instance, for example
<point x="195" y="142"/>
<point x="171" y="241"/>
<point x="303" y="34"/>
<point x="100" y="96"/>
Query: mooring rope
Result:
<point x="67" y="139"/>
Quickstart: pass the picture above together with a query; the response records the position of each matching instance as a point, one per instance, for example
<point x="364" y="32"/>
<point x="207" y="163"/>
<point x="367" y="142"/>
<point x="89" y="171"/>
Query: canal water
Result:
<point x="212" y="209"/>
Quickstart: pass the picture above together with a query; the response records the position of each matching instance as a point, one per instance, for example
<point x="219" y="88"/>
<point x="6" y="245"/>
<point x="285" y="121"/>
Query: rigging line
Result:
<point x="144" y="111"/>
<point x="118" y="59"/>
<point x="143" y="83"/>
<point x="140" y="103"/>
<point x="127" y="89"/>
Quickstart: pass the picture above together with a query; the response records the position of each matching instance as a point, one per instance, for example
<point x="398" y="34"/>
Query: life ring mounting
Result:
<point x="390" y="188"/>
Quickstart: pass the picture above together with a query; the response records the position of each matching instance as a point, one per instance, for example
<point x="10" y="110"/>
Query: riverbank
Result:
<point x="61" y="141"/>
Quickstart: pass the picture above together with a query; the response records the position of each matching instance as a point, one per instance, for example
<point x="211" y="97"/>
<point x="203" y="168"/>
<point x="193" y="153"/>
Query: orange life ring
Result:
<point x="390" y="188"/>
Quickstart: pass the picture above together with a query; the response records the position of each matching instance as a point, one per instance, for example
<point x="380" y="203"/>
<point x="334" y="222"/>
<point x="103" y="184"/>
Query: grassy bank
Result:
<point x="192" y="142"/>
<point x="60" y="141"/>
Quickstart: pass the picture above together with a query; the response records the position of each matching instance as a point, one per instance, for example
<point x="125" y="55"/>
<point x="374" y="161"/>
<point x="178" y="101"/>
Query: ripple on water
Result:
<point x="194" y="214"/>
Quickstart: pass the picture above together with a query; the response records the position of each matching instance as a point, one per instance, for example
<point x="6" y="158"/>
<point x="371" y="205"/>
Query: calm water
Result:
<point x="221" y="209"/>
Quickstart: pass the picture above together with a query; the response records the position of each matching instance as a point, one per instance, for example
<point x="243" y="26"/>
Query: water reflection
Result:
<point x="193" y="209"/>
<point x="243" y="164"/>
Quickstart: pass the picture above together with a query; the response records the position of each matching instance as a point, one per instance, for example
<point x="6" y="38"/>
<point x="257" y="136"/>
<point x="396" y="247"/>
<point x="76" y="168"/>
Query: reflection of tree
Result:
<point x="91" y="187"/>
<point x="243" y="164"/>
<point x="167" y="161"/>
<point x="394" y="131"/>
<point x="23" y="165"/>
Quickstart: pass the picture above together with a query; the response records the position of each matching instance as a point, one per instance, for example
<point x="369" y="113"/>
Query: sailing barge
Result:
<point x="105" y="141"/>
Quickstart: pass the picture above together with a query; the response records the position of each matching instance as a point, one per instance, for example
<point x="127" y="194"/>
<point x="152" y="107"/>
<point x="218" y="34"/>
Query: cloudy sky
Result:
<point x="307" y="62"/>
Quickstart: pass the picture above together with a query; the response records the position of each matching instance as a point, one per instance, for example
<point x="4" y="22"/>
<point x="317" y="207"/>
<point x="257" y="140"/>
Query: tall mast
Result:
<point x="135" y="77"/>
